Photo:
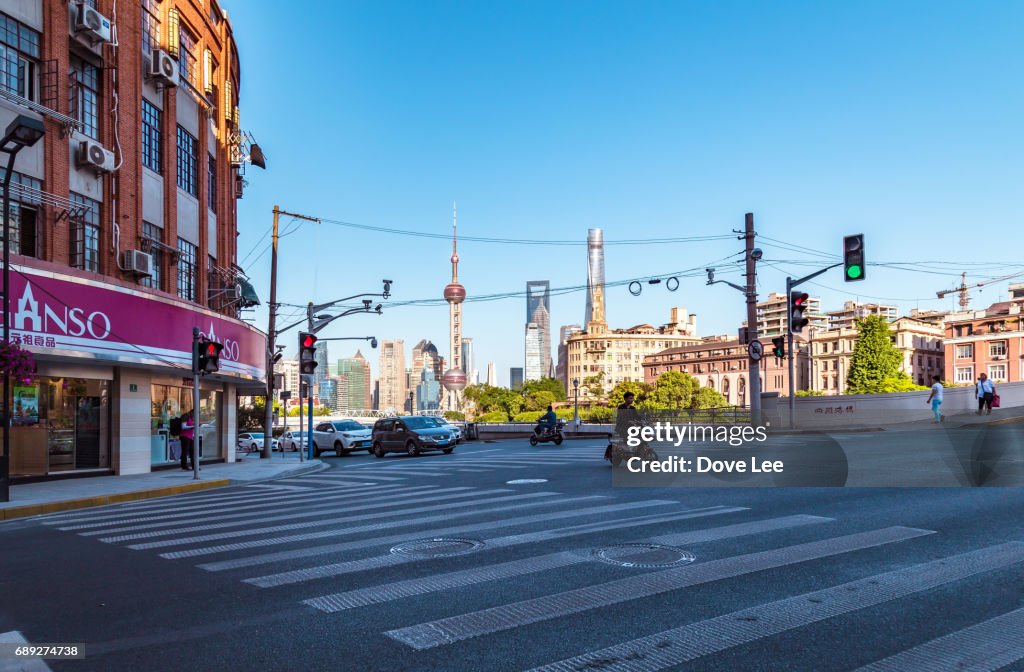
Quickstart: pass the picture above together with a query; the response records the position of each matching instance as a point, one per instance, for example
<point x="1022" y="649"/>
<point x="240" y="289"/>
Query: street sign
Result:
<point x="755" y="350"/>
<point x="285" y="395"/>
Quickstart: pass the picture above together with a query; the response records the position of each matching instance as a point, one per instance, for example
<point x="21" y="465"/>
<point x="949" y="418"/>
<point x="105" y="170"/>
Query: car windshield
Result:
<point x="347" y="426"/>
<point x="257" y="436"/>
<point x="420" y="423"/>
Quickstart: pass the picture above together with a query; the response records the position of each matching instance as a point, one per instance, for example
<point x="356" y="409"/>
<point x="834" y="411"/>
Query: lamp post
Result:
<point x="23" y="132"/>
<point x="576" y="394"/>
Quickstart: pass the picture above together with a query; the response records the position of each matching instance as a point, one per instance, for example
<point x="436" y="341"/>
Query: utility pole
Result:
<point x="268" y="422"/>
<point x="755" y="364"/>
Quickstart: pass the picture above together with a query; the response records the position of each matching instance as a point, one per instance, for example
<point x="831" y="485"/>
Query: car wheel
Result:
<point x="447" y="451"/>
<point x="253" y="448"/>
<point x="339" y="448"/>
<point x="378" y="450"/>
<point x="316" y="451"/>
<point x="411" y="449"/>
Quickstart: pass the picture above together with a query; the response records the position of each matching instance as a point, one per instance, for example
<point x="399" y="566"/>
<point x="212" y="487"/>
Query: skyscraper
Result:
<point x="391" y="380"/>
<point x="562" y="369"/>
<point x="492" y="374"/>
<point x="515" y="377"/>
<point x="468" y="362"/>
<point x="356" y="372"/>
<point x="454" y="379"/>
<point x="595" y="273"/>
<point x="538" y="329"/>
<point x="321" y="372"/>
<point x="428" y="391"/>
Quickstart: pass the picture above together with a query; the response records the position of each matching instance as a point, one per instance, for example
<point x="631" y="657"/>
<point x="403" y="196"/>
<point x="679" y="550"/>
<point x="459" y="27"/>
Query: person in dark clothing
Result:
<point x="547" y="421"/>
<point x="626" y="417"/>
<point x="188" y="433"/>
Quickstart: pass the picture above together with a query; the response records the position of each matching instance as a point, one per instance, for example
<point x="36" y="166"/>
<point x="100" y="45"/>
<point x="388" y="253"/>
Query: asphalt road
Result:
<point x="440" y="563"/>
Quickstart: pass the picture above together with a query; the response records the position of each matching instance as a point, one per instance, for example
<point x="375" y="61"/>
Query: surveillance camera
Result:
<point x="366" y="303"/>
<point x="373" y="343"/>
<point x="379" y="308"/>
<point x="756" y="254"/>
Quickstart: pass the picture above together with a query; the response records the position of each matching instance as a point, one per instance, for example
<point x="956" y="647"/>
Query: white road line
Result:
<point x="690" y="642"/>
<point x="467" y="577"/>
<point x="20" y="664"/>
<point x="467" y="509"/>
<point x="985" y="647"/>
<point x="313" y="551"/>
<point x="367" y="476"/>
<point x="508" y="616"/>
<point x="391" y="560"/>
<point x="275" y="541"/>
<point x="401" y="503"/>
<point x="261" y="501"/>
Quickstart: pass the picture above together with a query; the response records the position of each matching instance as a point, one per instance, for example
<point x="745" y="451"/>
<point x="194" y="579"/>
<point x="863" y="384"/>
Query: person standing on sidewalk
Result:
<point x="188" y="436"/>
<point x="935" y="398"/>
<point x="985" y="392"/>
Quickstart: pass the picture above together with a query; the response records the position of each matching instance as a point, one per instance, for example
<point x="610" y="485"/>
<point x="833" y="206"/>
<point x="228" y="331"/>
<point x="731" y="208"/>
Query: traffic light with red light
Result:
<point x="853" y="258"/>
<point x="779" y="347"/>
<point x="207" y="358"/>
<point x="798" y="304"/>
<point x="307" y="352"/>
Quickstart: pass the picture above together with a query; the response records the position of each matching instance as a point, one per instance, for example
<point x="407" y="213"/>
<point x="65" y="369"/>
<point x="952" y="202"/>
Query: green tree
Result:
<point x="810" y="393"/>
<point x="539" y="401"/>
<point x="706" y="397"/>
<point x="875" y="364"/>
<point x="252" y="415"/>
<point x="674" y="390"/>
<point x="454" y="415"/>
<point x="552" y="385"/>
<point x="618" y="393"/>
<point x="594" y="385"/>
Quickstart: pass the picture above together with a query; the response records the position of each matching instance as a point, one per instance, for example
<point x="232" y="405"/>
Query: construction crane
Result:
<point x="965" y="298"/>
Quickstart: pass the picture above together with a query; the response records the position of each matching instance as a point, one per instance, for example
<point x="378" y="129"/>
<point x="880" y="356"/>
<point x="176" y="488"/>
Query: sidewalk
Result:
<point x="32" y="499"/>
<point x="1000" y="416"/>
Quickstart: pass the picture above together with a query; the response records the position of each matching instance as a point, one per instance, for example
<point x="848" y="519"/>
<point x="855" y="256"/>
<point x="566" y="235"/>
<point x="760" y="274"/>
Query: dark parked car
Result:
<point x="411" y="434"/>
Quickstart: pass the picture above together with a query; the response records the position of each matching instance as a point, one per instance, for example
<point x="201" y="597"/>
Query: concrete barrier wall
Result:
<point x="851" y="410"/>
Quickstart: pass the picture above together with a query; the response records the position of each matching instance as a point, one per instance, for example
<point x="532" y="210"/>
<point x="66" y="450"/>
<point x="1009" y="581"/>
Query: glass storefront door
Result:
<point x="172" y="401"/>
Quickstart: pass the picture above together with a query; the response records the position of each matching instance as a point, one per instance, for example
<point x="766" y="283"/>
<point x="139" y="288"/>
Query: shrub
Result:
<point x="528" y="416"/>
<point x="493" y="416"/>
<point x="598" y="414"/>
<point x="454" y="415"/>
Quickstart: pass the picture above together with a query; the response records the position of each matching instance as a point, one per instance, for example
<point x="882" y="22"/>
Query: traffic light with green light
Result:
<point x="853" y="258"/>
<point x="779" y="347"/>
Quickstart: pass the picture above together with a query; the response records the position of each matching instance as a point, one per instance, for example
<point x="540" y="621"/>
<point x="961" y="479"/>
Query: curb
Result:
<point x="102" y="500"/>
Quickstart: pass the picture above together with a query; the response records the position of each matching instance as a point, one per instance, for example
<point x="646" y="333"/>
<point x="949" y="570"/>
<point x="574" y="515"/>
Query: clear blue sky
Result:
<point x="654" y="119"/>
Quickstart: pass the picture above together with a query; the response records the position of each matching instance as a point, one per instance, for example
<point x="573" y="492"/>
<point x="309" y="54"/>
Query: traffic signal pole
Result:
<point x="751" y="294"/>
<point x="792" y="284"/>
<point x="196" y="433"/>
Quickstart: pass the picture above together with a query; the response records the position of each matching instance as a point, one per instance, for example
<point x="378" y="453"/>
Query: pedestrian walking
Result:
<point x="985" y="392"/>
<point x="935" y="398"/>
<point x="188" y="435"/>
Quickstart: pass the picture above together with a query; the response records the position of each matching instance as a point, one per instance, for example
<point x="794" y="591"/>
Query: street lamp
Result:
<point x="23" y="132"/>
<point x="576" y="394"/>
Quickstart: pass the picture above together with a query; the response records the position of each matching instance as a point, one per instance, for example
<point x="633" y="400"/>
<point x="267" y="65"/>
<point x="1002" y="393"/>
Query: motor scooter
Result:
<point x="545" y="434"/>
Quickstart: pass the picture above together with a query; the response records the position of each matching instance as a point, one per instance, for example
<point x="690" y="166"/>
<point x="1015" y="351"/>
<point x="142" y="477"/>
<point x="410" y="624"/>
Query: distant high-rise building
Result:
<point x="561" y="370"/>
<point x="595" y="274"/>
<point x="289" y="368"/>
<point x="492" y="374"/>
<point x="423" y="352"/>
<point x="327" y="391"/>
<point x="454" y="379"/>
<point x="515" y="377"/>
<point x="428" y="391"/>
<point x="538" y="329"/>
<point x="391" y="376"/>
<point x="321" y="374"/>
<point x="468" y="362"/>
<point x="854" y="310"/>
<point x="356" y="372"/>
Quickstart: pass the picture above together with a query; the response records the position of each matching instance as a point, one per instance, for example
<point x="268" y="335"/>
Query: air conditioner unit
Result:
<point x="163" y="68"/>
<point x="91" y="23"/>
<point x="137" y="261"/>
<point x="92" y="154"/>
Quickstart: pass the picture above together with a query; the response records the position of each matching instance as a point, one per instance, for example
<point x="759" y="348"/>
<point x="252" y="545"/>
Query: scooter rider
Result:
<point x="547" y="421"/>
<point x="624" y="419"/>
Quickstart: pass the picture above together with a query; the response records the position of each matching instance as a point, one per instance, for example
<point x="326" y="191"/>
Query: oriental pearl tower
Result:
<point x="454" y="379"/>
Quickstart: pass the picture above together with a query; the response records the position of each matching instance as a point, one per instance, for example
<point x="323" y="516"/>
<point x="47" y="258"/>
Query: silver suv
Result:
<point x="341" y="436"/>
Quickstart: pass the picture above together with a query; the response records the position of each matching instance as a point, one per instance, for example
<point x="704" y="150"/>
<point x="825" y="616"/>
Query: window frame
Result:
<point x="20" y="47"/>
<point x="992" y="375"/>
<point x="156" y="280"/>
<point x="994" y="345"/>
<point x="964" y="347"/>
<point x="85" y="95"/>
<point x="150" y="28"/>
<point x="152" y="137"/>
<point x="187" y="252"/>
<point x="188" y="162"/>
<point x="959" y="371"/>
<point x="84" y="235"/>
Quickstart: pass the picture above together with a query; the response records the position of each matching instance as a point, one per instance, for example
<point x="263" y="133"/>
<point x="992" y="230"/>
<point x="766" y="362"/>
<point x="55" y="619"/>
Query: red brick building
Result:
<point x="723" y="364"/>
<point x="989" y="341"/>
<point x="123" y="228"/>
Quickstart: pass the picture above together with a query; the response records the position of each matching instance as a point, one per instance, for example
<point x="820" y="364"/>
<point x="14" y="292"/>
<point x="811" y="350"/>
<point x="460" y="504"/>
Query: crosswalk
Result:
<point x="342" y="541"/>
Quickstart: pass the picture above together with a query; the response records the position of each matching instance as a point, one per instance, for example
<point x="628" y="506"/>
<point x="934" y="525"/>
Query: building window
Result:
<point x="965" y="351"/>
<point x="156" y="234"/>
<point x="997" y="372"/>
<point x="152" y="127"/>
<point x="150" y="26"/>
<point x="965" y="374"/>
<point x="186" y="270"/>
<point x="85" y="86"/>
<point x="211" y="183"/>
<point x="187" y="45"/>
<point x="19" y="56"/>
<point x="24" y="214"/>
<point x="85" y="234"/>
<point x="188" y="162"/>
<point x="997" y="349"/>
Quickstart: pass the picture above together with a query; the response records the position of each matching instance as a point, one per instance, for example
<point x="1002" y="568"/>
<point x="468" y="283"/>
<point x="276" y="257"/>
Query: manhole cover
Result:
<point x="525" y="481"/>
<point x="644" y="555"/>
<point x="438" y="547"/>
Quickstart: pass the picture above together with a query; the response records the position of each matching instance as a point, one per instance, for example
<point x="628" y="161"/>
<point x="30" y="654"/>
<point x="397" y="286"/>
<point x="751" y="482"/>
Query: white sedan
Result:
<point x="454" y="429"/>
<point x="253" y="441"/>
<point x="292" y="440"/>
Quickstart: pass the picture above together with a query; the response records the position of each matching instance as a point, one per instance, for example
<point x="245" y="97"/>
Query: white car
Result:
<point x="341" y="436"/>
<point x="253" y="441"/>
<point x="292" y="440"/>
<point x="454" y="429"/>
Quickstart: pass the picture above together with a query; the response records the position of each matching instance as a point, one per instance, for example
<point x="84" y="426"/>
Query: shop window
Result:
<point x="172" y="401"/>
